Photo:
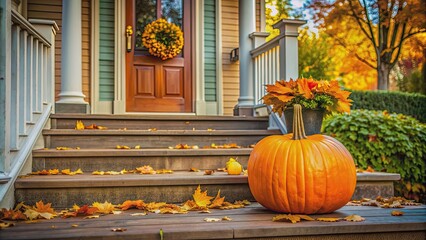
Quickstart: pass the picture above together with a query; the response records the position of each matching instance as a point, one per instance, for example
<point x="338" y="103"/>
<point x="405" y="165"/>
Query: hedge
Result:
<point x="411" y="104"/>
<point x="393" y="143"/>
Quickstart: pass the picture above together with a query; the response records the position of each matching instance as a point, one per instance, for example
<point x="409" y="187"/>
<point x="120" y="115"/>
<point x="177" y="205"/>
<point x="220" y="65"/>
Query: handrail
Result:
<point x="24" y="24"/>
<point x="266" y="46"/>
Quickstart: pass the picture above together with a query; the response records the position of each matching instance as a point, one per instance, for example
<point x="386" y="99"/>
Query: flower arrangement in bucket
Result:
<point x="163" y="39"/>
<point x="319" y="96"/>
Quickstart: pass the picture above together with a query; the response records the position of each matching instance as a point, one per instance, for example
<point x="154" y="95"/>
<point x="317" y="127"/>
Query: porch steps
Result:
<point x="98" y="152"/>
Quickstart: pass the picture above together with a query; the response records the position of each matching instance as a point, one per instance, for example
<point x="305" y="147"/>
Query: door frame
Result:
<point x="119" y="104"/>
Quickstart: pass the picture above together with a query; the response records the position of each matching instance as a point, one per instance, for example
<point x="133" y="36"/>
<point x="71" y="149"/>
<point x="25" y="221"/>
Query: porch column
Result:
<point x="289" y="56"/>
<point x="71" y="96"/>
<point x="247" y="25"/>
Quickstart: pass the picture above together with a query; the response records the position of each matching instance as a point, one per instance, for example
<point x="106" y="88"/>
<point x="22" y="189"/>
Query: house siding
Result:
<point x="106" y="50"/>
<point x="230" y="70"/>
<point x="52" y="10"/>
<point x="210" y="50"/>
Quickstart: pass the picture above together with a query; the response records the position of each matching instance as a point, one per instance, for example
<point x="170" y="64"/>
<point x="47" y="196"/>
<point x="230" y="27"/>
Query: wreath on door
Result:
<point x="163" y="39"/>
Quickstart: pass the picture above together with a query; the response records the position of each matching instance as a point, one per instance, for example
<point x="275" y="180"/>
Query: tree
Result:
<point x="383" y="24"/>
<point x="276" y="10"/>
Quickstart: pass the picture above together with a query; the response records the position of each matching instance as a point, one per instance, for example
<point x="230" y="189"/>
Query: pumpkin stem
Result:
<point x="298" y="127"/>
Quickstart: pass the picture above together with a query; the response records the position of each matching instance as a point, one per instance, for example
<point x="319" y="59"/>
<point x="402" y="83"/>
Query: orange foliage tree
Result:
<point x="383" y="24"/>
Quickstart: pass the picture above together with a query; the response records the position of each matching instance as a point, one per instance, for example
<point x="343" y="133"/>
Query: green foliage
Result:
<point x="322" y="101"/>
<point x="395" y="102"/>
<point x="394" y="143"/>
<point x="315" y="59"/>
<point x="414" y="82"/>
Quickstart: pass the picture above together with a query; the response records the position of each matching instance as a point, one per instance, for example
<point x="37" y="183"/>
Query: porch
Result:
<point x="251" y="222"/>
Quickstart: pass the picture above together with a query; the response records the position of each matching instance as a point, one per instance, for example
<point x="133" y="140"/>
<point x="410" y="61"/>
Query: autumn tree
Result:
<point x="276" y="10"/>
<point x="384" y="24"/>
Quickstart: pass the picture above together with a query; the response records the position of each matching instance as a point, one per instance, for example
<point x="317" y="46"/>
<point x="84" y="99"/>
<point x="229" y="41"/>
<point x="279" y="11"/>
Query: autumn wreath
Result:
<point x="163" y="39"/>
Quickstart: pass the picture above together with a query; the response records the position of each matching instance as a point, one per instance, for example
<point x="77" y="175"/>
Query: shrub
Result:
<point x="394" y="143"/>
<point x="411" y="104"/>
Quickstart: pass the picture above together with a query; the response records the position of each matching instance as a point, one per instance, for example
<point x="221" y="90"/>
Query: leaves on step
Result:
<point x="67" y="148"/>
<point x="218" y="201"/>
<point x="391" y="202"/>
<point x="105" y="208"/>
<point x="354" y="218"/>
<point x="397" y="213"/>
<point x="194" y="170"/>
<point x="6" y="224"/>
<point x="212" y="219"/>
<point x="286" y="218"/>
<point x="201" y="198"/>
<point x="122" y="147"/>
<point x="128" y="204"/>
<point x="208" y="172"/>
<point x="164" y="171"/>
<point x="184" y="146"/>
<point x="224" y="146"/>
<point x="71" y="173"/>
<point x="328" y="219"/>
<point x="46" y="172"/>
<point x="145" y="170"/>
<point x="79" y="125"/>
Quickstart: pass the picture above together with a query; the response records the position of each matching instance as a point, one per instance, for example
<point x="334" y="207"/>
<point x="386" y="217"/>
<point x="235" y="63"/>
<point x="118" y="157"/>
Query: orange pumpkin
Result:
<point x="293" y="173"/>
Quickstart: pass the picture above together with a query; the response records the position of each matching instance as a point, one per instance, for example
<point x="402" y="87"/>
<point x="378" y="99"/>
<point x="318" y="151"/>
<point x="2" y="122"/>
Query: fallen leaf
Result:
<point x="212" y="219"/>
<point x="139" y="204"/>
<point x="44" y="208"/>
<point x="154" y="206"/>
<point x="85" y="209"/>
<point x="53" y="171"/>
<point x="228" y="205"/>
<point x="226" y="218"/>
<point x="91" y="217"/>
<point x="190" y="205"/>
<point x="31" y="214"/>
<point x="119" y="229"/>
<point x="98" y="173"/>
<point x="164" y="171"/>
<point x="105" y="207"/>
<point x="74" y="225"/>
<point x="152" y="129"/>
<point x="194" y="170"/>
<point x="208" y="172"/>
<point x="146" y="170"/>
<point x="221" y="169"/>
<point x="397" y="213"/>
<point x="112" y="173"/>
<point x="138" y="147"/>
<point x="354" y="218"/>
<point x="6" y="224"/>
<point x="243" y="202"/>
<point x="306" y="217"/>
<point x="210" y="130"/>
<point x="205" y="211"/>
<point x="12" y="214"/>
<point x="63" y="148"/>
<point x="286" y="218"/>
<point x="117" y="212"/>
<point x="328" y="219"/>
<point x="138" y="214"/>
<point x="122" y="147"/>
<point x="218" y="201"/>
<point x="369" y="169"/>
<point x="201" y="198"/>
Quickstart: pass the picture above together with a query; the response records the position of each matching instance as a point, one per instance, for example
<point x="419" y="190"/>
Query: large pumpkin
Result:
<point x="293" y="173"/>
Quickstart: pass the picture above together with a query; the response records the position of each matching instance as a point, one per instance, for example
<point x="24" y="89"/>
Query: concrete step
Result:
<point x="161" y="122"/>
<point x="64" y="191"/>
<point x="150" y="139"/>
<point x="116" y="159"/>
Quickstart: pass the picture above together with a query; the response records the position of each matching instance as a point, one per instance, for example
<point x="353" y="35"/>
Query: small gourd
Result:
<point x="234" y="167"/>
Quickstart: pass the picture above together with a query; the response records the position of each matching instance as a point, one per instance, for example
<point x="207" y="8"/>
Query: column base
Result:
<point x="72" y="108"/>
<point x="247" y="110"/>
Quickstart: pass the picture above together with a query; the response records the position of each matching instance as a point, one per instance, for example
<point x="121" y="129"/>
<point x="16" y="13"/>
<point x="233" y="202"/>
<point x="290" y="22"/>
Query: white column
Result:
<point x="289" y="56"/>
<point x="247" y="25"/>
<point x="71" y="76"/>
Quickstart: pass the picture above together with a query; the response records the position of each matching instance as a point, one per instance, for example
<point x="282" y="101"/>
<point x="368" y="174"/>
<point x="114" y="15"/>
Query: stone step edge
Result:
<point x="155" y="117"/>
<point x="57" y="132"/>
<point x="138" y="152"/>
<point x="178" y="178"/>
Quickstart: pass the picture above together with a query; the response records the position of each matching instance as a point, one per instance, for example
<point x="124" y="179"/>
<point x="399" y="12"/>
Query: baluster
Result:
<point x="23" y="60"/>
<point x="45" y="75"/>
<point x="278" y="63"/>
<point x="274" y="65"/>
<point x="35" y="74"/>
<point x="40" y="61"/>
<point x="262" y="75"/>
<point x="30" y="79"/>
<point x="14" y="116"/>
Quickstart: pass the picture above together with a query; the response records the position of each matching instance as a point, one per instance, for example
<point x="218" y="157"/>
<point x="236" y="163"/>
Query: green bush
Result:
<point x="394" y="143"/>
<point x="411" y="104"/>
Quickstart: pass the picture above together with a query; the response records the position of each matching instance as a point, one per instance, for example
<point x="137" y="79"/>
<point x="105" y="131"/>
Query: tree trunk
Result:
<point x="383" y="72"/>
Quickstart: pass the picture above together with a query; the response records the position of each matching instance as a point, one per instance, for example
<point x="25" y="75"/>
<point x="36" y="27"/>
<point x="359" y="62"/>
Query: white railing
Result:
<point x="28" y="89"/>
<point x="266" y="59"/>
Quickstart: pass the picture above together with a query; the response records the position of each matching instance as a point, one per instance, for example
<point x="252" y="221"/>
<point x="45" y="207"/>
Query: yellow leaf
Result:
<point x="328" y="219"/>
<point x="212" y="219"/>
<point x="78" y="171"/>
<point x="54" y="171"/>
<point x="154" y="206"/>
<point x="286" y="218"/>
<point x="31" y="214"/>
<point x="91" y="217"/>
<point x="354" y="218"/>
<point x="218" y="201"/>
<point x="164" y="171"/>
<point x="190" y="205"/>
<point x="47" y="215"/>
<point x="6" y="224"/>
<point x="201" y="198"/>
<point x="98" y="172"/>
<point x="105" y="207"/>
<point x="79" y="125"/>
<point x="306" y="217"/>
<point x="226" y="218"/>
<point x="138" y="214"/>
<point x="122" y="147"/>
<point x="74" y="225"/>
<point x="194" y="170"/>
<point x="146" y="170"/>
<point x="138" y="147"/>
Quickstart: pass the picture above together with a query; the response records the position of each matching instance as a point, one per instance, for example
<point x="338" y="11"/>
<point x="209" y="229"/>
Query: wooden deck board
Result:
<point x="249" y="222"/>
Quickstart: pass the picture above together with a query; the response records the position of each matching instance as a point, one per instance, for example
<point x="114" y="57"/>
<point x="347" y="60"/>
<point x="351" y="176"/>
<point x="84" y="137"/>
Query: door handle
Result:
<point x="129" y="33"/>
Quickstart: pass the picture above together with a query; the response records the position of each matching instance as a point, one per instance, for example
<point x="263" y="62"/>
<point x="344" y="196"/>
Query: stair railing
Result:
<point x="274" y="60"/>
<point x="27" y="87"/>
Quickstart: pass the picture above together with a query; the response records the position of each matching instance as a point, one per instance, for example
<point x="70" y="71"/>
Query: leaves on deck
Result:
<point x="354" y="218"/>
<point x="397" y="213"/>
<point x="392" y="202"/>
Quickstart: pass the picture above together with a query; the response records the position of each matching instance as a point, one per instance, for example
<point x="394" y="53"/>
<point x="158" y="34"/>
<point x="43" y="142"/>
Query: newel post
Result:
<point x="289" y="57"/>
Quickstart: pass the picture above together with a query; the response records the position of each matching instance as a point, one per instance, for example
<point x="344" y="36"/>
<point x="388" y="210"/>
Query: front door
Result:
<point x="154" y="85"/>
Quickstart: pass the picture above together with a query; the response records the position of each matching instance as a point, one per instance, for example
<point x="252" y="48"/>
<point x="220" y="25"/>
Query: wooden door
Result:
<point x="154" y="85"/>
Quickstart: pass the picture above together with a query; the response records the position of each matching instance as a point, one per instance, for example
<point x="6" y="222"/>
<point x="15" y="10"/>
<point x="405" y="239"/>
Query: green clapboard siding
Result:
<point x="106" y="50"/>
<point x="210" y="50"/>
